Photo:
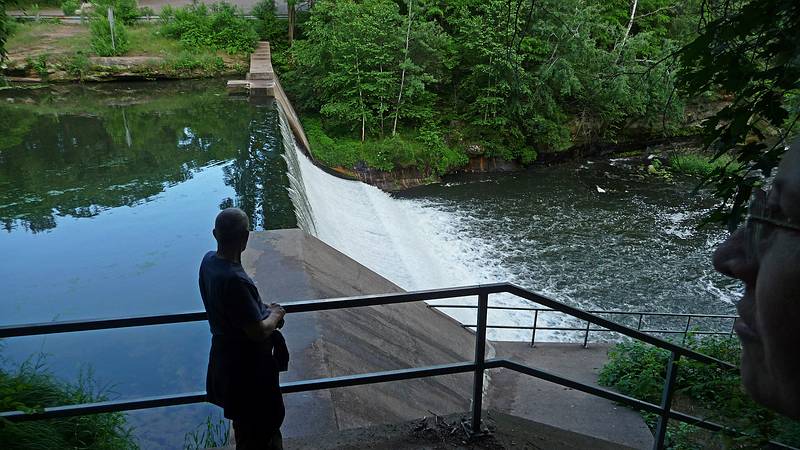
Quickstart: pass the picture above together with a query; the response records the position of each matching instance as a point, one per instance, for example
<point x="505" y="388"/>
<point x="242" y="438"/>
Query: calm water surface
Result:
<point x="107" y="200"/>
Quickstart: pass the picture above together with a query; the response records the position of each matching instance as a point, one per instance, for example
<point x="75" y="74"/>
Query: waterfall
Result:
<point x="408" y="242"/>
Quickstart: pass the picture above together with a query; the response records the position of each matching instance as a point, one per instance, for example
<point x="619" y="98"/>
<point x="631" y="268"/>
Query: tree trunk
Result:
<point x="290" y="15"/>
<point x="403" y="72"/>
<point x="380" y="109"/>
<point x="361" y="100"/>
<point x="628" y="29"/>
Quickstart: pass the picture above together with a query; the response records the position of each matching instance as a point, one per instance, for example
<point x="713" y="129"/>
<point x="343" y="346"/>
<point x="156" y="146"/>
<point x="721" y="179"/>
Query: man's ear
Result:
<point x="214" y="232"/>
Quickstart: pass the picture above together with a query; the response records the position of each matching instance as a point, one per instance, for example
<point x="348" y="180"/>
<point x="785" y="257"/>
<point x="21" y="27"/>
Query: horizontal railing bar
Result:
<point x="631" y="313"/>
<point x="70" y="326"/>
<point x="593" y="390"/>
<point x="613" y="396"/>
<point x="56" y="412"/>
<point x="360" y="301"/>
<point x="599" y="330"/>
<point x="376" y="377"/>
<point x="606" y="323"/>
<point x="290" y="307"/>
<point x="385" y="299"/>
<point x="355" y="380"/>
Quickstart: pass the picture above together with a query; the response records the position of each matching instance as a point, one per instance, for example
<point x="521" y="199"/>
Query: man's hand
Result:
<point x="277" y="309"/>
<point x="259" y="331"/>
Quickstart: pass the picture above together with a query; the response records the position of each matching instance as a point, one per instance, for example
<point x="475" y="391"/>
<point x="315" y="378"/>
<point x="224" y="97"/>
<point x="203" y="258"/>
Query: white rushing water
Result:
<point x="409" y="242"/>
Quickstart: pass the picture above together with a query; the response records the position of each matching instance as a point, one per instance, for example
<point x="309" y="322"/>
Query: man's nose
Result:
<point x="732" y="258"/>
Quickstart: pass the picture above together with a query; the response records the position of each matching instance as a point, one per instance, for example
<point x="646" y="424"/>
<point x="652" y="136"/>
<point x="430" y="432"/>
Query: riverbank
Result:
<point x="49" y="52"/>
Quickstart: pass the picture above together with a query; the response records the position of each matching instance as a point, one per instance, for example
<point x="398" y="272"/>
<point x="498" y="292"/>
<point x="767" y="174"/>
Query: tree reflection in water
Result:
<point x="78" y="151"/>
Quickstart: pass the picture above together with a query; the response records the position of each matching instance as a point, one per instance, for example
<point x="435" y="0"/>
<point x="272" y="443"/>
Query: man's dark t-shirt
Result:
<point x="242" y="373"/>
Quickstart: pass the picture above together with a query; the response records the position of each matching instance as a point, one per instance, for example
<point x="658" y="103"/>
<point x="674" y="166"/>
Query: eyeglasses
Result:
<point x="760" y="218"/>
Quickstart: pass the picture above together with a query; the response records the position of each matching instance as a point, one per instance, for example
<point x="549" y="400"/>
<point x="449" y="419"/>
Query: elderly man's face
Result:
<point x="769" y="327"/>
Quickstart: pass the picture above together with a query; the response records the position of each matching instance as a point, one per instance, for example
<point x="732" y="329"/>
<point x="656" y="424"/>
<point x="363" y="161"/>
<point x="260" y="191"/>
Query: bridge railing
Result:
<point x="725" y="322"/>
<point x="477" y="366"/>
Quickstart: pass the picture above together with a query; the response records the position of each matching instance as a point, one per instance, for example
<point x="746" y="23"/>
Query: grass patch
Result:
<point x="31" y="386"/>
<point x="638" y="370"/>
<point x="32" y="35"/>
<point x="147" y="40"/>
<point x="699" y="165"/>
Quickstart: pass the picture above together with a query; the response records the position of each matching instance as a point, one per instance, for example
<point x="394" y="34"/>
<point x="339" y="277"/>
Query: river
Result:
<point x="108" y="193"/>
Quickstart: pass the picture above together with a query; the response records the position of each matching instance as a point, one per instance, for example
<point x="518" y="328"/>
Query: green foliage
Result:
<point x="538" y="77"/>
<point x="747" y="49"/>
<point x="78" y="65"/>
<point x="189" y="61"/>
<point x="69" y="7"/>
<point x="427" y="151"/>
<point x="638" y="369"/>
<point x="100" y="30"/>
<point x="39" y="65"/>
<point x="212" y="433"/>
<point x="31" y="387"/>
<point x="218" y="27"/>
<point x="126" y="11"/>
<point x="702" y="165"/>
<point x="268" y="26"/>
<point x="5" y="32"/>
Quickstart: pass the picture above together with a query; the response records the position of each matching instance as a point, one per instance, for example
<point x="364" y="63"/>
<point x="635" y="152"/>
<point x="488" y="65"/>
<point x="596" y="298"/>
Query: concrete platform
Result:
<point x="555" y="405"/>
<point x="292" y="265"/>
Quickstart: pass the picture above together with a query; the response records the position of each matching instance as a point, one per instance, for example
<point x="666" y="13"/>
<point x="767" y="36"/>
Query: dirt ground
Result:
<point x="49" y="40"/>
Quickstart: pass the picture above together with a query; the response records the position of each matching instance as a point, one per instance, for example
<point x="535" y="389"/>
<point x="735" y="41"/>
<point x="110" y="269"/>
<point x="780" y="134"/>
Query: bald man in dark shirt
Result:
<point x="242" y="368"/>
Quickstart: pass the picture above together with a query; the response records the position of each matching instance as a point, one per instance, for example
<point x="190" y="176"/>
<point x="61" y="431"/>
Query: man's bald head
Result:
<point x="231" y="227"/>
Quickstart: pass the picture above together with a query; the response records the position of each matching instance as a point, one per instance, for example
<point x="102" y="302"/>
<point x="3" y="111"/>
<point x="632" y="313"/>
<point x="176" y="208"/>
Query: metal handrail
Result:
<point x="640" y="314"/>
<point x="477" y="366"/>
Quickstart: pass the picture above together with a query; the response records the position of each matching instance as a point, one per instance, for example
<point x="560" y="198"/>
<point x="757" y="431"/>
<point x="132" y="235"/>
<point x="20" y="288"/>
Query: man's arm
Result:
<point x="261" y="330"/>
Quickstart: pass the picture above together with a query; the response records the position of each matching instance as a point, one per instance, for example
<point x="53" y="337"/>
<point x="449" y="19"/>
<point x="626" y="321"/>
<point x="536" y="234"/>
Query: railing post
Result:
<point x="685" y="332"/>
<point x="733" y="326"/>
<point x="535" y="320"/>
<point x="480" y="356"/>
<point x="639" y="327"/>
<point x="586" y="337"/>
<point x="666" y="400"/>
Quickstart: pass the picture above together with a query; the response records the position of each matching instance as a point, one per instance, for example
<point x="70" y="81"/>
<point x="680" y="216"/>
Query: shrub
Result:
<point x="101" y="37"/>
<point x="268" y="26"/>
<point x="31" y="387"/>
<point x="188" y="61"/>
<point x="78" y="66"/>
<point x="126" y="11"/>
<point x="69" y="7"/>
<point x="439" y="157"/>
<point x="39" y="65"/>
<point x="638" y="369"/>
<point x="219" y="27"/>
<point x="701" y="165"/>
